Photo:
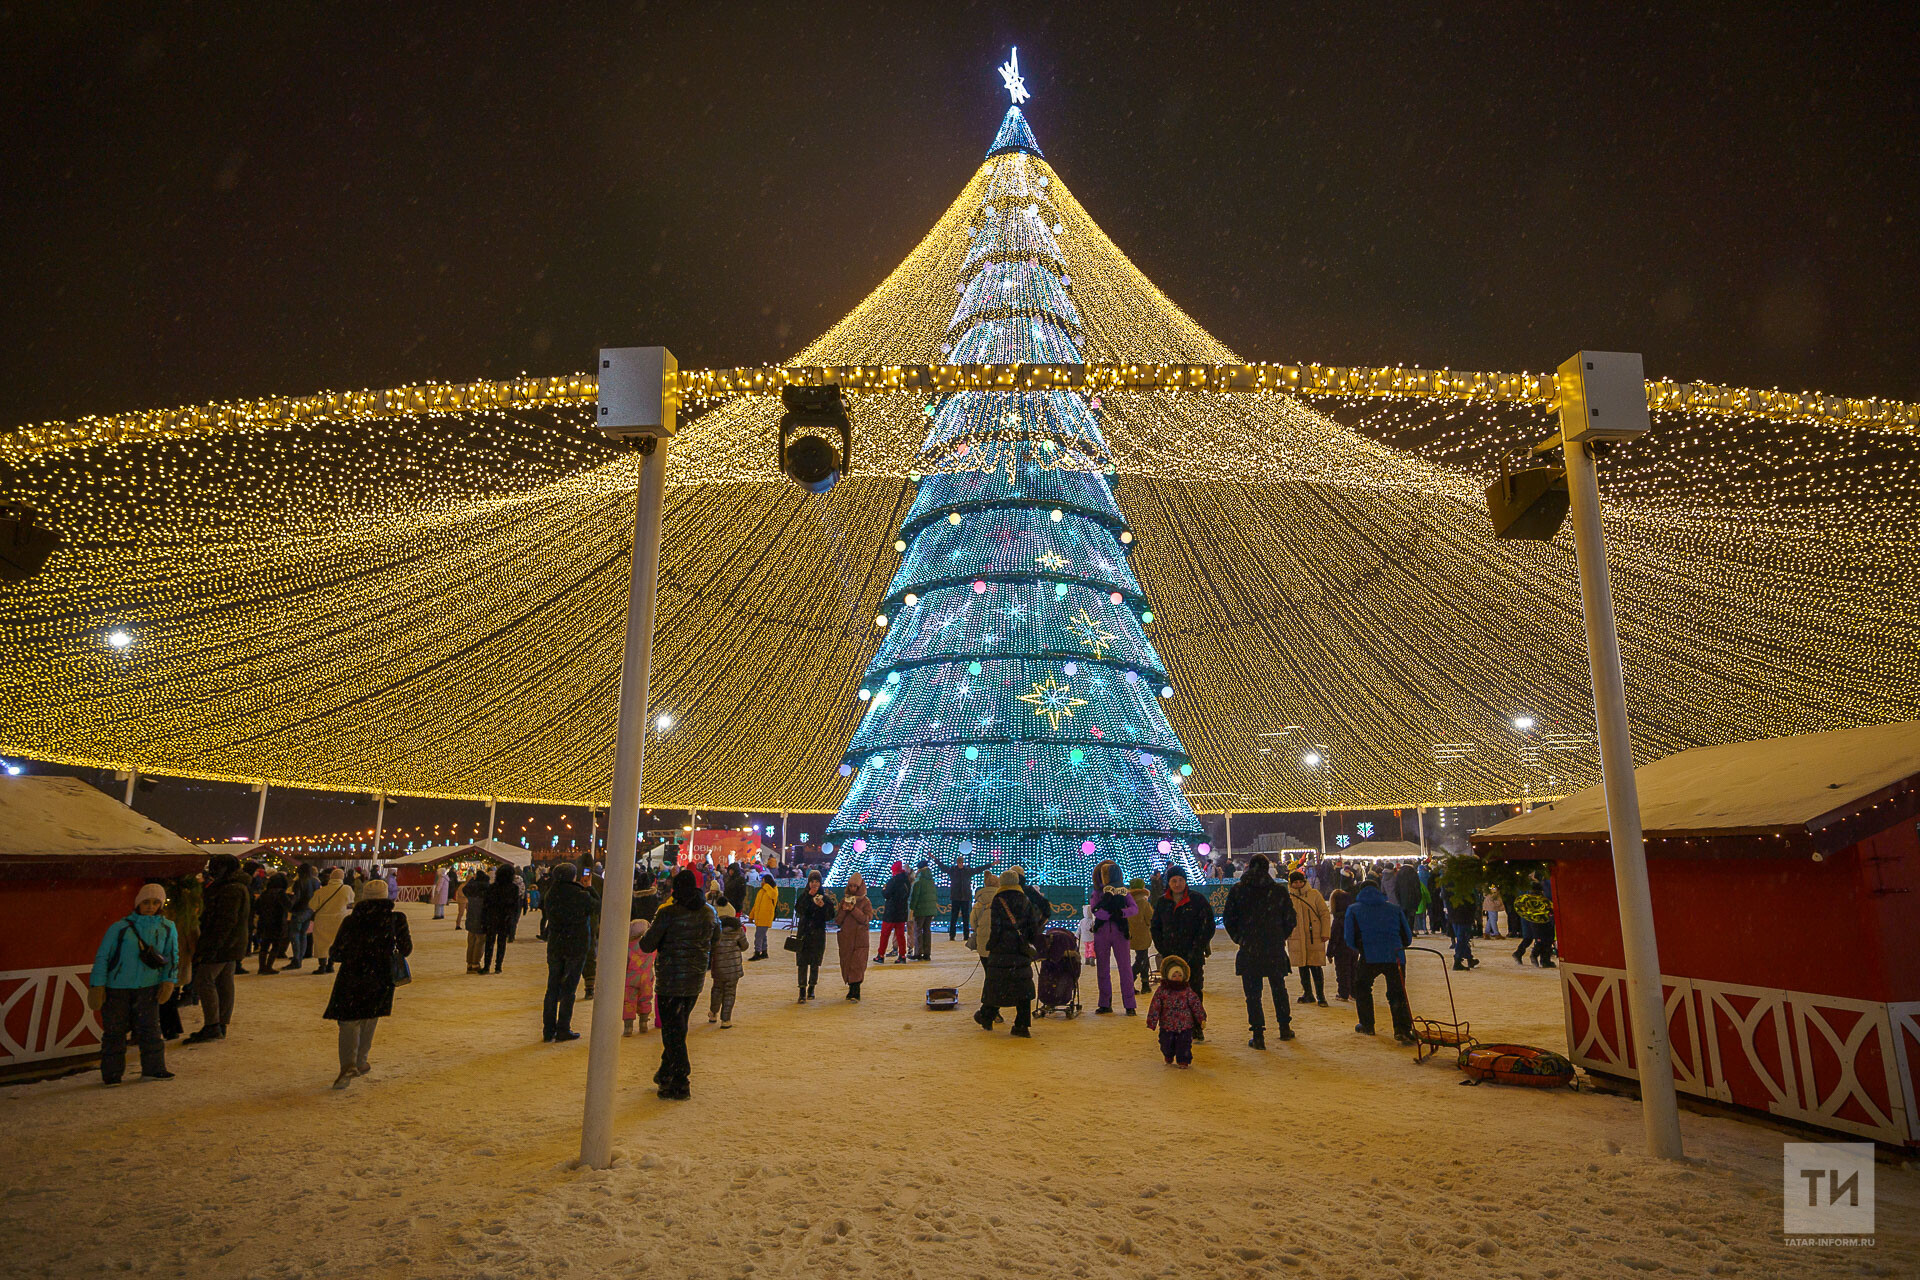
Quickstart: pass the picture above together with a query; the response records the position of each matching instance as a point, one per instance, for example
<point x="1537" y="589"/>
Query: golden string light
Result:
<point x="421" y="591"/>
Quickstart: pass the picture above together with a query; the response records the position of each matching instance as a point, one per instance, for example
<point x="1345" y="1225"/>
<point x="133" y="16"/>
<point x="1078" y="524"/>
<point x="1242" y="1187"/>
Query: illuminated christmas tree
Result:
<point x="1013" y="709"/>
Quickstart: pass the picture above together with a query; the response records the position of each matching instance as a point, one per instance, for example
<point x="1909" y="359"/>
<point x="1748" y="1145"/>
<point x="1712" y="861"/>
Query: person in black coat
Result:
<point x="813" y="909"/>
<point x="271" y="909"/>
<point x="499" y="908"/>
<point x="1260" y="917"/>
<point x="681" y="938"/>
<point x="896" y="899"/>
<point x="1404" y="889"/>
<point x="1183" y="926"/>
<point x="569" y="906"/>
<point x="1344" y="956"/>
<point x="736" y="888"/>
<point x="370" y="937"/>
<point x="959" y="896"/>
<point x="226" y="928"/>
<point x="1012" y="940"/>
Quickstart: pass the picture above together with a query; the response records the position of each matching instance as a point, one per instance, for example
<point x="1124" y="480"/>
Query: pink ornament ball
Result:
<point x="859" y="846"/>
<point x="1087" y="847"/>
<point x="1204" y="848"/>
<point x="1166" y="846"/>
<point x="979" y="588"/>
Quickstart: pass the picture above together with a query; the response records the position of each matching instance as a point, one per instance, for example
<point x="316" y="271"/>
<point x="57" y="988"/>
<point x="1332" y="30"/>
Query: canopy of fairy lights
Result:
<point x="422" y="590"/>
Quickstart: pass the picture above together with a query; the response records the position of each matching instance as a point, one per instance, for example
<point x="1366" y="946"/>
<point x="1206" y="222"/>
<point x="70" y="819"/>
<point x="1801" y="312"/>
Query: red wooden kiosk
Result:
<point x="71" y="859"/>
<point x="1786" y="899"/>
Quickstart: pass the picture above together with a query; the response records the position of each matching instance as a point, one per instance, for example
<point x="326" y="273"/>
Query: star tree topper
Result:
<point x="1010" y="76"/>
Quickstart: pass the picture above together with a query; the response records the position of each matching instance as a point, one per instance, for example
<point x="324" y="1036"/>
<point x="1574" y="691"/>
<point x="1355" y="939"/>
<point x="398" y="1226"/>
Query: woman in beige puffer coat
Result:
<point x="331" y="902"/>
<point x="1307" y="944"/>
<point x="982" y="905"/>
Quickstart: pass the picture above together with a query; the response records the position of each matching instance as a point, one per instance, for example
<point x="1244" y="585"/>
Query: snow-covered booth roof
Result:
<point x="511" y="855"/>
<point x="62" y="828"/>
<point x="1814" y="793"/>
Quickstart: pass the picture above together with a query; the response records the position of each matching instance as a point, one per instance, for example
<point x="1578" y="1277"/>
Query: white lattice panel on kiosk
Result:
<point x="1829" y="1061"/>
<point x="44" y="1014"/>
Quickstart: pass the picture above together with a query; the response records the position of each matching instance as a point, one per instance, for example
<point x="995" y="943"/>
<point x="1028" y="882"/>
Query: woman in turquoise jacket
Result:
<point x="133" y="972"/>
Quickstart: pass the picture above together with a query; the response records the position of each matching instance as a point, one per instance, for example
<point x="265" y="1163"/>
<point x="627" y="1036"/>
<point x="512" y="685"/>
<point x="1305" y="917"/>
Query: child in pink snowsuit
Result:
<point x="638" y="1002"/>
<point x="1176" y="1013"/>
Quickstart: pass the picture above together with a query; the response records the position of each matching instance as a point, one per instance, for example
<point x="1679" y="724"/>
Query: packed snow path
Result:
<point x="880" y="1139"/>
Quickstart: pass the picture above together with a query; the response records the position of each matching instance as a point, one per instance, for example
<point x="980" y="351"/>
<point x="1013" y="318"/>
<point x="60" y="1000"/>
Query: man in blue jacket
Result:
<point x="1378" y="930"/>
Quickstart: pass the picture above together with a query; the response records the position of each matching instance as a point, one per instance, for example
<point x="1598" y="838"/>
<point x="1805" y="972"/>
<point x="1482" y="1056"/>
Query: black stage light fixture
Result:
<point x="25" y="543"/>
<point x="1530" y="503"/>
<point x="811" y="461"/>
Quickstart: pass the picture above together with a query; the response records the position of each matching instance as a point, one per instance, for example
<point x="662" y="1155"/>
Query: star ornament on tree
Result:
<point x="1090" y="633"/>
<point x="1052" y="560"/>
<point x="1010" y="79"/>
<point x="1052" y="700"/>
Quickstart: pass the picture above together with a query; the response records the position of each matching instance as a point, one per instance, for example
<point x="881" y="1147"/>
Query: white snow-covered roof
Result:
<point x="1740" y="787"/>
<point x="64" y="822"/>
<point x="499" y="851"/>
<point x="1378" y="849"/>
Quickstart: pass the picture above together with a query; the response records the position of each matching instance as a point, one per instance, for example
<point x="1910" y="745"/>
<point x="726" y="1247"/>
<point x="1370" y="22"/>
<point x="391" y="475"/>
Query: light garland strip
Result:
<point x="706" y="385"/>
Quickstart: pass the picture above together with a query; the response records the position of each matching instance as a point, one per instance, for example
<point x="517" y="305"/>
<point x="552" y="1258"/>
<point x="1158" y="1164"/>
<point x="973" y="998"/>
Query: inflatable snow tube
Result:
<point x="1516" y="1064"/>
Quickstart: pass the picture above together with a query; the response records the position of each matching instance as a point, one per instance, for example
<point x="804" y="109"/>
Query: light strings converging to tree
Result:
<point x="422" y="591"/>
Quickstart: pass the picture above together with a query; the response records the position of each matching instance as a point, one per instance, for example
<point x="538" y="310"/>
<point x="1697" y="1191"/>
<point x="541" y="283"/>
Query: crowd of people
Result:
<point x="692" y="927"/>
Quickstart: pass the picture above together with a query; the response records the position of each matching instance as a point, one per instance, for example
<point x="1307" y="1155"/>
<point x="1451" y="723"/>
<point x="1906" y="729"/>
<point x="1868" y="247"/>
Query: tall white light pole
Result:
<point x="379" y="824"/>
<point x="260" y="812"/>
<point x="638" y="400"/>
<point x="133" y="776"/>
<point x="1603" y="397"/>
<point x="491" y="802"/>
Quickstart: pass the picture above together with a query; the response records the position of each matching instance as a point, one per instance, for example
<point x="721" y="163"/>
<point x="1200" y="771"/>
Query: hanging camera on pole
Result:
<point x="25" y="543"/>
<point x="809" y="460"/>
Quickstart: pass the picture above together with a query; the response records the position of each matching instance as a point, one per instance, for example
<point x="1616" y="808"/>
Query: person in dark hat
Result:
<point x="226" y="931"/>
<point x="681" y="940"/>
<point x="569" y="933"/>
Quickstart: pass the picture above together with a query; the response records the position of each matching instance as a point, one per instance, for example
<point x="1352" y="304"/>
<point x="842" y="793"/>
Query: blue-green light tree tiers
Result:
<point x="1013" y="710"/>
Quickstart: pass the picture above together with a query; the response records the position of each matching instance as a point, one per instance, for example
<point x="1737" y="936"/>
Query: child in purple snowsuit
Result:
<point x="1176" y="1013"/>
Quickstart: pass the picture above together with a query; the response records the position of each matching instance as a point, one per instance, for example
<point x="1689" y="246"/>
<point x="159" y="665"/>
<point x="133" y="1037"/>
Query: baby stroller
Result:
<point x="1059" y="985"/>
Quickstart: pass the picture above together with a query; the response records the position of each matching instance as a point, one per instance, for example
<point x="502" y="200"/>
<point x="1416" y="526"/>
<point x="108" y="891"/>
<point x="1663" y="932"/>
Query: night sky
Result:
<point x="215" y="201"/>
<point x="208" y="201"/>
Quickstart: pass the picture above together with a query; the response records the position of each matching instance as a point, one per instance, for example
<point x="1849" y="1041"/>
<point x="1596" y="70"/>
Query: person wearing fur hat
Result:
<point x="331" y="902"/>
<point x="370" y="939"/>
<point x="226" y="929"/>
<point x="896" y="897"/>
<point x="1036" y="900"/>
<point x="1012" y="935"/>
<point x="133" y="974"/>
<point x="853" y="915"/>
<point x="812" y="913"/>
<point x="681" y="939"/>
<point x="726" y="966"/>
<point x="1176" y="1013"/>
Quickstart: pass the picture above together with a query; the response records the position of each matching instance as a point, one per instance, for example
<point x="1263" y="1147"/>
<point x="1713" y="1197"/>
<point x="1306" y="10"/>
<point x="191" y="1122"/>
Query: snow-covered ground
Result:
<point x="881" y="1139"/>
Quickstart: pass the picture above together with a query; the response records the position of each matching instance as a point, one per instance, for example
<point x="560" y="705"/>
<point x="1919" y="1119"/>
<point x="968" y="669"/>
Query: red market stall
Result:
<point x="1786" y="901"/>
<point x="71" y="859"/>
<point x="722" y="846"/>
